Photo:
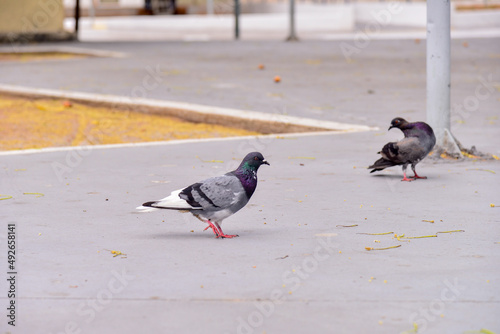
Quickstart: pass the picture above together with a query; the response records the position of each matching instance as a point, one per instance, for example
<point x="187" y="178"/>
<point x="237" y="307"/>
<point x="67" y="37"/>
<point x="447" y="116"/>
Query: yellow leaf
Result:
<point x="451" y="231"/>
<point x="37" y="194"/>
<point x="377" y="233"/>
<point x="384" y="248"/>
<point x="420" y="237"/>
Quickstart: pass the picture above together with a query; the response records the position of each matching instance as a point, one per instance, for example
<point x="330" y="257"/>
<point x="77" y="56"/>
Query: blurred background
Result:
<point x="106" y="20"/>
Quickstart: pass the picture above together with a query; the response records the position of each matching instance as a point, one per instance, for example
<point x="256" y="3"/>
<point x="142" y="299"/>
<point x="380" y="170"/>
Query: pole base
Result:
<point x="448" y="146"/>
<point x="292" y="38"/>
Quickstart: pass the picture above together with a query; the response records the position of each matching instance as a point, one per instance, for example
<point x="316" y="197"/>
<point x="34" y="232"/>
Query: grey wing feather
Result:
<point x="410" y="150"/>
<point x="218" y="192"/>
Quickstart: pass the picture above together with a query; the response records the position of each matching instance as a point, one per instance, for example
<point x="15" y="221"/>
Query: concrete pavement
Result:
<point x="366" y="85"/>
<point x="293" y="268"/>
<point x="173" y="279"/>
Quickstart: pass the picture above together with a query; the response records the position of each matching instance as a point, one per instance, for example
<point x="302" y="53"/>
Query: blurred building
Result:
<point x="28" y="20"/>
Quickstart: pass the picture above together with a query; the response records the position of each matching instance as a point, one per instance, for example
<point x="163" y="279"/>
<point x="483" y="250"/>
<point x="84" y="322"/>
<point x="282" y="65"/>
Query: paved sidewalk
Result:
<point x="382" y="80"/>
<point x="293" y="269"/>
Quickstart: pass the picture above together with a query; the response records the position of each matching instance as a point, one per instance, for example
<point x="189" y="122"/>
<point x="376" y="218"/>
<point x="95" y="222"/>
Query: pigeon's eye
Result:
<point x="256" y="158"/>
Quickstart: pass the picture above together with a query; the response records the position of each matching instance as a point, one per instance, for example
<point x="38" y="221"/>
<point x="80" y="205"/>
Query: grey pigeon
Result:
<point x="418" y="142"/>
<point x="214" y="199"/>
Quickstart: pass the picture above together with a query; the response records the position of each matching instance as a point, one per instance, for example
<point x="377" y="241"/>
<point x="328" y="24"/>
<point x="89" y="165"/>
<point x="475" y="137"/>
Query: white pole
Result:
<point x="438" y="73"/>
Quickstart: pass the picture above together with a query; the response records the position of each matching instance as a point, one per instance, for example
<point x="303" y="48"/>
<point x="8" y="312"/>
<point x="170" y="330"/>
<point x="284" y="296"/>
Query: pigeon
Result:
<point x="214" y="199"/>
<point x="418" y="142"/>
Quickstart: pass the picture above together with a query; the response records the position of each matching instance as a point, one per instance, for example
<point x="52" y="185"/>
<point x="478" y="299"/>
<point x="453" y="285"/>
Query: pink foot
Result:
<point x="218" y="231"/>
<point x="213" y="227"/>
<point x="418" y="177"/>
<point x="228" y="235"/>
<point x="405" y="178"/>
<point x="222" y="235"/>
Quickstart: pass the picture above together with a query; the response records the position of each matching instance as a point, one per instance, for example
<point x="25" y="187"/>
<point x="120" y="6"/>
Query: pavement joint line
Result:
<point x="167" y="142"/>
<point x="66" y="49"/>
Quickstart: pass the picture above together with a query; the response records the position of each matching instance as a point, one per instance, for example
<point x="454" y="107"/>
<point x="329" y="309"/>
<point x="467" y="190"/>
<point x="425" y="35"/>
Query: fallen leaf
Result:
<point x="384" y="248"/>
<point x="484" y="170"/>
<point x="116" y="253"/>
<point x="420" y="237"/>
<point x="377" y="233"/>
<point x="451" y="231"/>
<point x="413" y="330"/>
<point x="36" y="194"/>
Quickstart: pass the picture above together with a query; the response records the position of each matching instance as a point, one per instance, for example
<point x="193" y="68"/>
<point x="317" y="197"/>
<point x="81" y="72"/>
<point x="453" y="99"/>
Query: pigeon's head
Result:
<point x="399" y="123"/>
<point x="253" y="161"/>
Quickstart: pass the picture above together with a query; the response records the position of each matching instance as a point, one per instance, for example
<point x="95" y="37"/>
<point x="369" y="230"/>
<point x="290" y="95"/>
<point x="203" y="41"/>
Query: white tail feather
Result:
<point x="145" y="209"/>
<point x="173" y="201"/>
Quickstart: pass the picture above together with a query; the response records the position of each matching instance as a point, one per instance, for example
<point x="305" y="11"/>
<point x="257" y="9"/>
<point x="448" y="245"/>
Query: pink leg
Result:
<point x="405" y="178"/>
<point x="222" y="235"/>
<point x="217" y="230"/>
<point x="418" y="177"/>
<point x="214" y="228"/>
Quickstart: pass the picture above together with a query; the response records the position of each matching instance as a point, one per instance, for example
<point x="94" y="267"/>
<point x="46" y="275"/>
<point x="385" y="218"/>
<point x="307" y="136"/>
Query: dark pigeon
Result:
<point x="214" y="199"/>
<point x="418" y="142"/>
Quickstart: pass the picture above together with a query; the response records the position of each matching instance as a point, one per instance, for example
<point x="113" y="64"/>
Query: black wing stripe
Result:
<point x="187" y="195"/>
<point x="391" y="150"/>
<point x="203" y="195"/>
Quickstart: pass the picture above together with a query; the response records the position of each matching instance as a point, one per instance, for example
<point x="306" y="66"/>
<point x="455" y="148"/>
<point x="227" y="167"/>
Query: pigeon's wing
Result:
<point x="405" y="150"/>
<point x="410" y="150"/>
<point x="217" y="193"/>
<point x="390" y="152"/>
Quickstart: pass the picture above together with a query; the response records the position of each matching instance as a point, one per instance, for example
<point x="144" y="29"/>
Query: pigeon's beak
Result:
<point x="264" y="162"/>
<point x="390" y="127"/>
